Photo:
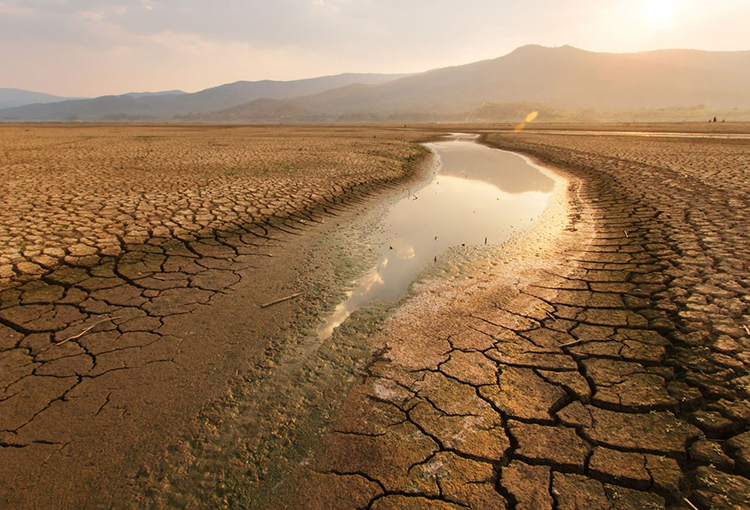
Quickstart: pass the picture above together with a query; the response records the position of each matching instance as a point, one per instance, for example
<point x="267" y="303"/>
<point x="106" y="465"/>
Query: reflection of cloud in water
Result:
<point x="353" y="300"/>
<point x="404" y="249"/>
<point x="373" y="278"/>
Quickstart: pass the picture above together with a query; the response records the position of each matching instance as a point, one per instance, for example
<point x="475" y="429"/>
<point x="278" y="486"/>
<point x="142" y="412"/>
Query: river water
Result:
<point x="476" y="196"/>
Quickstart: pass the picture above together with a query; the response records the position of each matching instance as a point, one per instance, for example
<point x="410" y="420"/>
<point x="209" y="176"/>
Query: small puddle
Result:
<point x="476" y="196"/>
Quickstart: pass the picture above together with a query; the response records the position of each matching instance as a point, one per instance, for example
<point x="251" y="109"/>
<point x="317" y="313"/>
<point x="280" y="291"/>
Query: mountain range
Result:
<point x="155" y="106"/>
<point x="562" y="78"/>
<point x="10" y="98"/>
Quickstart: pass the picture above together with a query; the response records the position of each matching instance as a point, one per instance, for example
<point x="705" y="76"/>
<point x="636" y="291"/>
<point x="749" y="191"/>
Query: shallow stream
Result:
<point x="475" y="196"/>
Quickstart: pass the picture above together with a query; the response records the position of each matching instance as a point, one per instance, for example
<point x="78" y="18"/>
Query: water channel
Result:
<point x="475" y="196"/>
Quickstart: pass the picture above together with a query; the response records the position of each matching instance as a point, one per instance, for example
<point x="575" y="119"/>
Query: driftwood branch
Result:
<point x="287" y="298"/>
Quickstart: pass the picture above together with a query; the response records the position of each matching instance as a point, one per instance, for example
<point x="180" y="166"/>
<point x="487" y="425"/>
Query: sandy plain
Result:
<point x="598" y="361"/>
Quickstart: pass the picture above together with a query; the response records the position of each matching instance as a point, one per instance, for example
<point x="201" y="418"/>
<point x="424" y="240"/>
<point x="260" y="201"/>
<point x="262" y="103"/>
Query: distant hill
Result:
<point x="564" y="80"/>
<point x="263" y="111"/>
<point x="151" y="94"/>
<point x="10" y="98"/>
<point x="168" y="105"/>
<point x="564" y="77"/>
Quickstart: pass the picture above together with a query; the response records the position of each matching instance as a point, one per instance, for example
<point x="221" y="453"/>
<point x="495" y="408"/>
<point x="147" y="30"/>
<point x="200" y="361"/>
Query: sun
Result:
<point x="660" y="13"/>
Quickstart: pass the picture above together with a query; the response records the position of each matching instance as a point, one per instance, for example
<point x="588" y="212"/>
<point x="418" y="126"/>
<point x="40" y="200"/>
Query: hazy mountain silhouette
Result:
<point x="562" y="78"/>
<point x="10" y="98"/>
<point x="565" y="77"/>
<point x="171" y="104"/>
<point x="151" y="94"/>
<point x="263" y="111"/>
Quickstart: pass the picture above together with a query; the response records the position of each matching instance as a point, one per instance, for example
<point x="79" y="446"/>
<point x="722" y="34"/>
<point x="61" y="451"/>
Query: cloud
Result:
<point x="287" y="39"/>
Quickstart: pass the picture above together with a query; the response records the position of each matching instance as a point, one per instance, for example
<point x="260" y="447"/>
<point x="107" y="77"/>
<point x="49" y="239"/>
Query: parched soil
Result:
<point x="608" y="369"/>
<point x="133" y="261"/>
<point x="76" y="194"/>
<point x="601" y="361"/>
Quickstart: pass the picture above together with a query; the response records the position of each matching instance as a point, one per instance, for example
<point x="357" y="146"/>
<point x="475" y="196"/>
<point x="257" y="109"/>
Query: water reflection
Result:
<point x="507" y="171"/>
<point x="478" y="196"/>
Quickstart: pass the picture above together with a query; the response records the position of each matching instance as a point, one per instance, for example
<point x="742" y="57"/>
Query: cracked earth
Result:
<point x="609" y="371"/>
<point x="121" y="250"/>
<point x="602" y="363"/>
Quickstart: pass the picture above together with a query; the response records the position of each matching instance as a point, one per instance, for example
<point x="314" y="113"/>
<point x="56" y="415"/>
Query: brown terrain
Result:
<point x="608" y="369"/>
<point x="125" y="253"/>
<point x="599" y="360"/>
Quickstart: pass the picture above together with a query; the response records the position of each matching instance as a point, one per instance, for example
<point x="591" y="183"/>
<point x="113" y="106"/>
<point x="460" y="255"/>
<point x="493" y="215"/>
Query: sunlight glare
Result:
<point x="660" y="13"/>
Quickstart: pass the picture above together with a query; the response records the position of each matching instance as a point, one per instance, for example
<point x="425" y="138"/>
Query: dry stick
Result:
<point x="571" y="344"/>
<point x="747" y="330"/>
<point x="690" y="504"/>
<point x="79" y="335"/>
<point x="266" y="305"/>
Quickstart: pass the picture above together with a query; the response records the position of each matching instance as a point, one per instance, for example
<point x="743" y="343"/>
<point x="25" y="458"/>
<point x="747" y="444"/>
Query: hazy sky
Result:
<point x="95" y="47"/>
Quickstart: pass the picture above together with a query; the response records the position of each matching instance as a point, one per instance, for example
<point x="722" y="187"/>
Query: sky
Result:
<point x="97" y="47"/>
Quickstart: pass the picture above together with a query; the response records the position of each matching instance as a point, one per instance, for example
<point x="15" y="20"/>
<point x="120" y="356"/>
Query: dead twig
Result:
<point x="571" y="344"/>
<point x="690" y="504"/>
<point x="79" y="335"/>
<point x="747" y="330"/>
<point x="287" y="298"/>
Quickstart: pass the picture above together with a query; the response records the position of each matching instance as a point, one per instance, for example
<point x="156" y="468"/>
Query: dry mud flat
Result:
<point x="132" y="264"/>
<point x="606" y="369"/>
<point x="598" y="362"/>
